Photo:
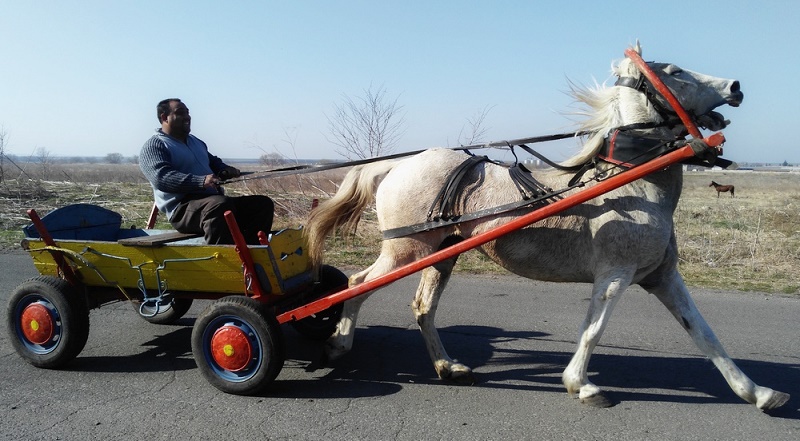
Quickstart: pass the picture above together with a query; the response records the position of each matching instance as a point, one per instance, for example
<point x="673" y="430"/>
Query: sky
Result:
<point x="82" y="78"/>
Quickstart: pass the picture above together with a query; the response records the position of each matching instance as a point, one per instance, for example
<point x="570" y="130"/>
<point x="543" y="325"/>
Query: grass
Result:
<point x="750" y="242"/>
<point x="747" y="243"/>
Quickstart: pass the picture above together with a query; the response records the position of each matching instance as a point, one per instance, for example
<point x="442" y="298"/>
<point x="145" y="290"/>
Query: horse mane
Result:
<point x="605" y="108"/>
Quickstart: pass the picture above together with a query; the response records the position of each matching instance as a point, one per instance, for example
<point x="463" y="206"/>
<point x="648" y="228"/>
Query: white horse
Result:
<point x="621" y="238"/>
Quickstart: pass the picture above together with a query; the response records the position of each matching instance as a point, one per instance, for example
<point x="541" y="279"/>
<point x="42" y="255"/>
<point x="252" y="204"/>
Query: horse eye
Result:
<point x="673" y="70"/>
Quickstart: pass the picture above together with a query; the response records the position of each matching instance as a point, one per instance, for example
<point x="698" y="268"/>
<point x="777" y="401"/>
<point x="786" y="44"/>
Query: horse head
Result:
<point x="699" y="94"/>
<point x="636" y="105"/>
<point x="713" y="184"/>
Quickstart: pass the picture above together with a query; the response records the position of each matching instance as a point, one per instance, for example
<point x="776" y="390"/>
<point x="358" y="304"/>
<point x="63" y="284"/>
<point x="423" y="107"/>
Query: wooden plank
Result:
<point x="156" y="240"/>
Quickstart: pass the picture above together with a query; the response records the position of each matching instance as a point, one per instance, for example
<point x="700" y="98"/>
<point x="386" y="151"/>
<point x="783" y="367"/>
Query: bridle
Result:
<point x="650" y="84"/>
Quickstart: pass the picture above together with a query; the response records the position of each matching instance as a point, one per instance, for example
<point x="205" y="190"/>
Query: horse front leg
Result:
<point x="434" y="279"/>
<point x="606" y="292"/>
<point x="675" y="296"/>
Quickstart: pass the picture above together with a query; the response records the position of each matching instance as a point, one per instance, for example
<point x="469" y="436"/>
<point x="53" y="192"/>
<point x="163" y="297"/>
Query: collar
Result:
<point x="627" y="150"/>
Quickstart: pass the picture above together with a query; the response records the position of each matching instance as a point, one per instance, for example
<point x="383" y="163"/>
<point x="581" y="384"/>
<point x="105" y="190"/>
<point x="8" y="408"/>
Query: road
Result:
<point x="136" y="380"/>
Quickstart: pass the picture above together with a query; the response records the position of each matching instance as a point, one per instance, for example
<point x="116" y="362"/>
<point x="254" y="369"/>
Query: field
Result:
<point x="749" y="243"/>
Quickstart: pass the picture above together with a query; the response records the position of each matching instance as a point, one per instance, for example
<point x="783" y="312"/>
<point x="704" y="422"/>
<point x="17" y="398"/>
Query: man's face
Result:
<point x="178" y="119"/>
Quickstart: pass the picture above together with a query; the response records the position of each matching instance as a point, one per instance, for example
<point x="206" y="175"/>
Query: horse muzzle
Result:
<point x="735" y="98"/>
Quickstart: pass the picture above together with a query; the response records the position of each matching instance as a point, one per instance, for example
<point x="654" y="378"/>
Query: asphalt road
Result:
<point x="137" y="381"/>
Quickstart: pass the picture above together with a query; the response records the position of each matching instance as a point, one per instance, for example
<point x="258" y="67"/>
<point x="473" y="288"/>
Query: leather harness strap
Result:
<point x="446" y="198"/>
<point x="394" y="233"/>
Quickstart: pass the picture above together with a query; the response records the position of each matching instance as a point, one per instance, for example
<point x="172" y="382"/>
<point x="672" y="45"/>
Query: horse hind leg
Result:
<point x="672" y="292"/>
<point x="341" y="341"/>
<point x="606" y="292"/>
<point x="394" y="254"/>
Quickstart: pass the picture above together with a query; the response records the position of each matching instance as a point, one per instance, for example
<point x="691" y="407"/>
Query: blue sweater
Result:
<point x="175" y="169"/>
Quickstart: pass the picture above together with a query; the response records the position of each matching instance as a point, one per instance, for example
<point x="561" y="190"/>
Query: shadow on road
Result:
<point x="385" y="359"/>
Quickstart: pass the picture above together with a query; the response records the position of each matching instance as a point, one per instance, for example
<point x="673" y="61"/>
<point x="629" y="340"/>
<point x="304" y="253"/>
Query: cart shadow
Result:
<point x="384" y="360"/>
<point x="171" y="351"/>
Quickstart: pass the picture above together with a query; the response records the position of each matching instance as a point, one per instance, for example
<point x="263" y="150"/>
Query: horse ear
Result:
<point x="625" y="68"/>
<point x="638" y="47"/>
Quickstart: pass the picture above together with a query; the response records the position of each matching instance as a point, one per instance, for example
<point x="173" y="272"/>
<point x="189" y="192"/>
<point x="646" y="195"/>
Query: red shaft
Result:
<point x="580" y="197"/>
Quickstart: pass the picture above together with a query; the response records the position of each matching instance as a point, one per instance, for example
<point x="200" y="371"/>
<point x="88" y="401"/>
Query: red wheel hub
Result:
<point x="231" y="348"/>
<point x="37" y="323"/>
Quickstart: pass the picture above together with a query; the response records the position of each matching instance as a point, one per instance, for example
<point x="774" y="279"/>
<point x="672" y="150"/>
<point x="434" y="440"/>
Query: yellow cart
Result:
<point x="87" y="259"/>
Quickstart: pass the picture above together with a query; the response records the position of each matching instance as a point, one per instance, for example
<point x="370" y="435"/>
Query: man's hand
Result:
<point x="211" y="181"/>
<point x="229" y="172"/>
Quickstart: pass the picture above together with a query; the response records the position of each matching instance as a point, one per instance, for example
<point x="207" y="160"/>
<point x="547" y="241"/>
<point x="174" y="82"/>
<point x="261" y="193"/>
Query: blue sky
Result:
<point x="82" y="78"/>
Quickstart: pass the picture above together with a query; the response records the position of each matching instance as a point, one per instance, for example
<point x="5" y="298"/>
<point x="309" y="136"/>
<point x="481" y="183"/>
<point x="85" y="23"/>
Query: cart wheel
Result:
<point x="47" y="321"/>
<point x="321" y="325"/>
<point x="167" y="314"/>
<point x="238" y="347"/>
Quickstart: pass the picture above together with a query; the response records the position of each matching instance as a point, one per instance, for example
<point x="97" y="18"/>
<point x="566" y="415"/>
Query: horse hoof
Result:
<point x="333" y="352"/>
<point x="775" y="400"/>
<point x="466" y="378"/>
<point x="597" y="400"/>
<point x="458" y="373"/>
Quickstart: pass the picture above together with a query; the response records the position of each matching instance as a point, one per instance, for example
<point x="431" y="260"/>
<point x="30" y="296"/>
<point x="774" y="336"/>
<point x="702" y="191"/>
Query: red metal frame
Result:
<point x="66" y="271"/>
<point x="251" y="282"/>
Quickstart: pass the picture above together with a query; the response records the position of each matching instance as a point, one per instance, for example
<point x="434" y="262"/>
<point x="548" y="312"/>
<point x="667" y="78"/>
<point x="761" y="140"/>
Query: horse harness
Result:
<point x="443" y="213"/>
<point x="624" y="147"/>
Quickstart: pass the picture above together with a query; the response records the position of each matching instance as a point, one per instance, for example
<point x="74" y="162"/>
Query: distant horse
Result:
<point x="723" y="188"/>
<point x="623" y="237"/>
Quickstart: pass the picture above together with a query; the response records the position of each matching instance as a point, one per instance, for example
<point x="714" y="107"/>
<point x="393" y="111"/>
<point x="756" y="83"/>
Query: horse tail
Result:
<point x="344" y="209"/>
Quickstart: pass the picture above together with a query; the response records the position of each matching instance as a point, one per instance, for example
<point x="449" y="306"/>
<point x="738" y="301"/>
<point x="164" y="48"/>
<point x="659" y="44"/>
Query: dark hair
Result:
<point x="163" y="107"/>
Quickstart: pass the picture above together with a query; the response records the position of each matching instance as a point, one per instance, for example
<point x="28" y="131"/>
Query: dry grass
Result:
<point x="750" y="242"/>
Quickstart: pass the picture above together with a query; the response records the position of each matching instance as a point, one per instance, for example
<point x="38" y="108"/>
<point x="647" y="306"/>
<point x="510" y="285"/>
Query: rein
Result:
<point x="303" y="169"/>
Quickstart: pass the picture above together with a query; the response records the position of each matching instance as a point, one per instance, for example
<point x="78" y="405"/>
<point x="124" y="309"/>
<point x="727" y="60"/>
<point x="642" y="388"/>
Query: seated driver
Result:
<point x="186" y="182"/>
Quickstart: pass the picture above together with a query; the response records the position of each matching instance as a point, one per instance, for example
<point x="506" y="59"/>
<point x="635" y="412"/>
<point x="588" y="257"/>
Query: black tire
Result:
<point x="167" y="314"/>
<point x="322" y="325"/>
<point x="237" y="325"/>
<point x="47" y="321"/>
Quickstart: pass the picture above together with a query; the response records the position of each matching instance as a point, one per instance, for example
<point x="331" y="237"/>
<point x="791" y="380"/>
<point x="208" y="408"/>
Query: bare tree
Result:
<point x="474" y="131"/>
<point x="114" y="158"/>
<point x="45" y="162"/>
<point x="366" y="126"/>
<point x="272" y="159"/>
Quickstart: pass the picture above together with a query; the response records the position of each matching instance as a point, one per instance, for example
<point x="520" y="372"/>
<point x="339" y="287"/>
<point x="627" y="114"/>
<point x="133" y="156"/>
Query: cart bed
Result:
<point x="106" y="255"/>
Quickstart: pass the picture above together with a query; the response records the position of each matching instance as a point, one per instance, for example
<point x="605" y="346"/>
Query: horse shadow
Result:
<point x="385" y="359"/>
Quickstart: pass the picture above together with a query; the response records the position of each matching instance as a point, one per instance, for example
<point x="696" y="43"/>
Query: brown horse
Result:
<point x="722" y="188"/>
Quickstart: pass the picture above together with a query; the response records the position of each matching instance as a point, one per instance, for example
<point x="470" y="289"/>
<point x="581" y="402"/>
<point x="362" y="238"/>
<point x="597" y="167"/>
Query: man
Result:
<point x="186" y="182"/>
